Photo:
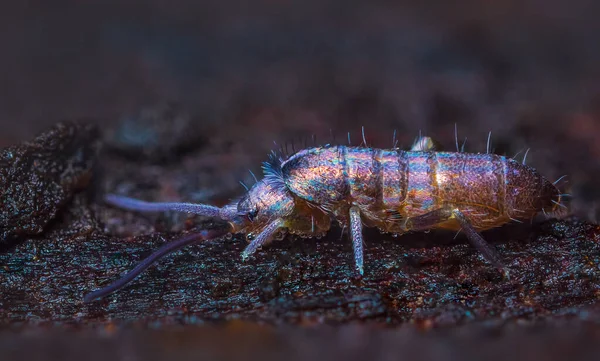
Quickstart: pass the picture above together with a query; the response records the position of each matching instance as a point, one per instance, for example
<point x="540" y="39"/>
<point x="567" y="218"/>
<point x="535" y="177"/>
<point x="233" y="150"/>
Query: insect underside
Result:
<point x="396" y="191"/>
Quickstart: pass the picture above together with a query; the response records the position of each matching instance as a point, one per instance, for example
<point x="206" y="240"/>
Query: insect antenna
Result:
<point x="244" y="185"/>
<point x="143" y="206"/>
<point x="165" y="250"/>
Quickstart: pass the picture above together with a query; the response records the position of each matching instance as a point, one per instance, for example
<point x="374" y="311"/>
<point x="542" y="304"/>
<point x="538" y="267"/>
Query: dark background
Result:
<point x="264" y="71"/>
<point x="243" y="75"/>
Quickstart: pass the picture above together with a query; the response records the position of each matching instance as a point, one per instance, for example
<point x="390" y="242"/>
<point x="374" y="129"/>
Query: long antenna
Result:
<point x="133" y="204"/>
<point x="160" y="253"/>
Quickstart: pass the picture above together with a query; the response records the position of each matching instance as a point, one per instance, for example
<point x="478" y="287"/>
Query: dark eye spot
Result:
<point x="252" y="214"/>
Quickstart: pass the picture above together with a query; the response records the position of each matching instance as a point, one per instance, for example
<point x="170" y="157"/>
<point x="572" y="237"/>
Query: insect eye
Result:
<point x="252" y="214"/>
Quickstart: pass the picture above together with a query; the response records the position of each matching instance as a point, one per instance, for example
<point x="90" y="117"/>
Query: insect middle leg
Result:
<point x="441" y="215"/>
<point x="357" y="238"/>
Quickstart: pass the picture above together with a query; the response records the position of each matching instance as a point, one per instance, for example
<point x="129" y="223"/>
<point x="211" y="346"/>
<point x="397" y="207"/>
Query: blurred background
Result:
<point x="218" y="82"/>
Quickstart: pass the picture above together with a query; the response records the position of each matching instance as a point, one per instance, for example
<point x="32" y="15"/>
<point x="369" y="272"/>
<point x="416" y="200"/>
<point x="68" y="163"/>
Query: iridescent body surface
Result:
<point x="392" y="186"/>
<point x="394" y="190"/>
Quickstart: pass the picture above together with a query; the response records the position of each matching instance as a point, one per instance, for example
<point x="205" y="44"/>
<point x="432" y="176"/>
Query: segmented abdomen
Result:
<point x="410" y="183"/>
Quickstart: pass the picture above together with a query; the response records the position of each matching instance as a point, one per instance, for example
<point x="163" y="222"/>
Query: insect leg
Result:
<point x="441" y="215"/>
<point x="357" y="238"/>
<point x="263" y="238"/>
<point x="478" y="242"/>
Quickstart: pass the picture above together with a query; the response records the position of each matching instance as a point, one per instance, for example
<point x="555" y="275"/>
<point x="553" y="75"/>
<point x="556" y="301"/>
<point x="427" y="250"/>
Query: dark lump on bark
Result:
<point x="38" y="178"/>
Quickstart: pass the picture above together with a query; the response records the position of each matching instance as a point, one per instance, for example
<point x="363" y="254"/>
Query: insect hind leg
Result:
<point x="478" y="242"/>
<point x="441" y="215"/>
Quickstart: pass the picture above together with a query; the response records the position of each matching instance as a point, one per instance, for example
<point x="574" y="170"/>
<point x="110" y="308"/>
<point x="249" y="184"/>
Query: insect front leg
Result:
<point x="263" y="238"/>
<point x="441" y="215"/>
<point x="357" y="238"/>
